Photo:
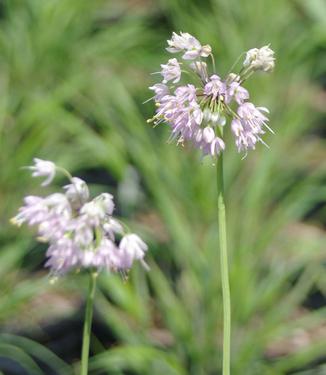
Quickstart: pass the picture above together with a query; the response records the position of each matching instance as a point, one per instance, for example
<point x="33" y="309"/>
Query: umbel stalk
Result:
<point x="88" y="323"/>
<point x="224" y="267"/>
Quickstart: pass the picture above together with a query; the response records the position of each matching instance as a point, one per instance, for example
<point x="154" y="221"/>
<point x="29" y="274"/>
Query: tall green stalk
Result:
<point x="88" y="323"/>
<point x="224" y="267"/>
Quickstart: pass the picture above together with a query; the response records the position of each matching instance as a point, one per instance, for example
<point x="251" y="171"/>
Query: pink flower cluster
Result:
<point x="81" y="233"/>
<point x="198" y="113"/>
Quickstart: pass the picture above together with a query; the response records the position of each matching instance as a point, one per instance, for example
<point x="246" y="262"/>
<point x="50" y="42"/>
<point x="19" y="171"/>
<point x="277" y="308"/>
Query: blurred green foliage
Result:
<point x="73" y="77"/>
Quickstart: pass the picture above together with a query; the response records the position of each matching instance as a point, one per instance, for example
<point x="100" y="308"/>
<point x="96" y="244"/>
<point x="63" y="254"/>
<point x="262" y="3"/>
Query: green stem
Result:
<point x="65" y="172"/>
<point x="213" y="62"/>
<point x="88" y="323"/>
<point x="224" y="267"/>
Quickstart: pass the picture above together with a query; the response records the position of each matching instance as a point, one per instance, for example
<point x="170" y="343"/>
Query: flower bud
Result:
<point x="132" y="247"/>
<point x="200" y="68"/>
<point x="208" y="134"/>
<point x="43" y="168"/>
<point x="77" y="192"/>
<point x="260" y="59"/>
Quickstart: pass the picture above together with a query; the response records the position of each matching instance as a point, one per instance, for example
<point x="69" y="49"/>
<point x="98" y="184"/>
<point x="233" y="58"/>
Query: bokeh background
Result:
<point x="73" y="77"/>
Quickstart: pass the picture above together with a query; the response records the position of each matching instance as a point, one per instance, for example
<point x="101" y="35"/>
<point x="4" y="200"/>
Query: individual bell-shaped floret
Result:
<point x="43" y="168"/>
<point x="160" y="90"/>
<point x="96" y="210"/>
<point x="131" y="248"/>
<point x="77" y="192"/>
<point x="260" y="59"/>
<point x="171" y="71"/>
<point x="186" y="42"/>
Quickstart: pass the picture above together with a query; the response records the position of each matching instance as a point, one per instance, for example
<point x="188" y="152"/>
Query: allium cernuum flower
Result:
<point x="131" y="247"/>
<point x="260" y="59"/>
<point x="81" y="233"/>
<point x="43" y="168"/>
<point x="77" y="192"/>
<point x="199" y="105"/>
<point x="188" y="44"/>
<point x="171" y="71"/>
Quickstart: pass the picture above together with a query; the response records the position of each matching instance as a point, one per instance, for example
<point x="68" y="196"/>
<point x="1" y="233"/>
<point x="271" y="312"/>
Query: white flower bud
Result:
<point x="132" y="247"/>
<point x="200" y="68"/>
<point x="77" y="192"/>
<point x="199" y="135"/>
<point x="93" y="212"/>
<point x="105" y="200"/>
<point x="206" y="50"/>
<point x="208" y="134"/>
<point x="96" y="210"/>
<point x="232" y="77"/>
<point x="260" y="59"/>
<point x="171" y="71"/>
<point x="43" y="168"/>
<point x="111" y="227"/>
<point x="186" y="42"/>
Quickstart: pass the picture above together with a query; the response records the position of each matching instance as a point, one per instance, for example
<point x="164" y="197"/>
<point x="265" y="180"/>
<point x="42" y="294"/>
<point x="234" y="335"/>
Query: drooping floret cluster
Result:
<point x="81" y="233"/>
<point x="198" y="109"/>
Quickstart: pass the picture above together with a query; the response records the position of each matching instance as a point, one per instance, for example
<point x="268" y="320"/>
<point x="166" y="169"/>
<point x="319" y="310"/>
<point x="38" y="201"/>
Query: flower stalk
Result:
<point x="88" y="323"/>
<point x="198" y="113"/>
<point x="81" y="233"/>
<point x="224" y="267"/>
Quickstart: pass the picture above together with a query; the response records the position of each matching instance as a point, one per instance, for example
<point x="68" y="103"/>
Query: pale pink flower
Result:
<point x="77" y="192"/>
<point x="160" y="91"/>
<point x="188" y="44"/>
<point x="249" y="126"/>
<point x="131" y="248"/>
<point x="260" y="59"/>
<point x="43" y="168"/>
<point x="199" y="111"/>
<point x="215" y="87"/>
<point x="80" y="234"/>
<point x="171" y="71"/>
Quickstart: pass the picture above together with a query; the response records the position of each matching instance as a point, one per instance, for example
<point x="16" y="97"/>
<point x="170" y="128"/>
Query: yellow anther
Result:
<point x="53" y="280"/>
<point x="14" y="221"/>
<point x="41" y="239"/>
